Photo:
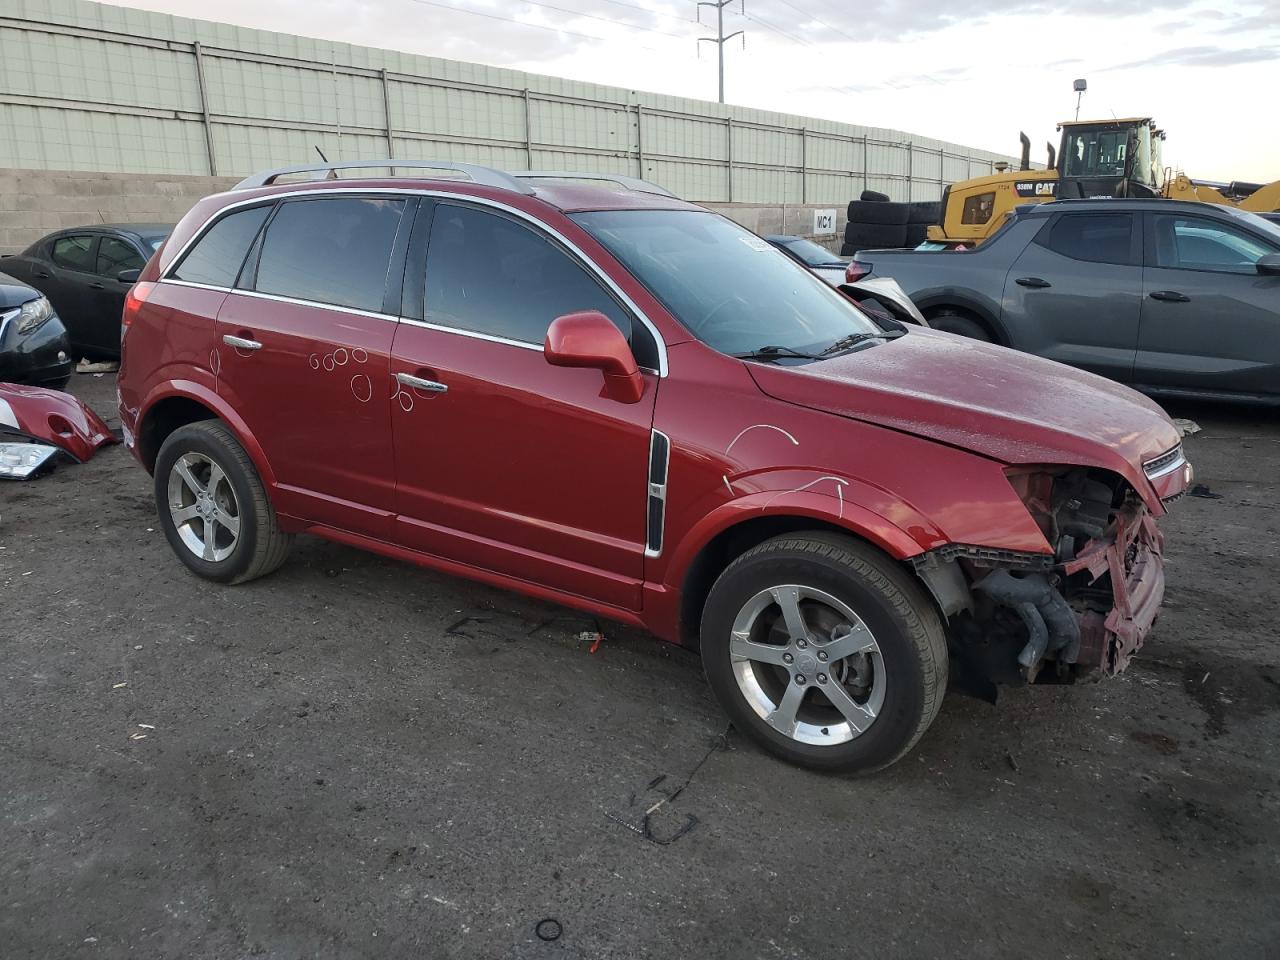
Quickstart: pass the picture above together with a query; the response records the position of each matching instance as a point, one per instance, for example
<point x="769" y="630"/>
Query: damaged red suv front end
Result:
<point x="1084" y="611"/>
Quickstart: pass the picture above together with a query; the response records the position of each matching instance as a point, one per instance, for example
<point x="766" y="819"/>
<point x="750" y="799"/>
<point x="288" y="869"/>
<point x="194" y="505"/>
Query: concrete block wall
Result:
<point x="37" y="202"/>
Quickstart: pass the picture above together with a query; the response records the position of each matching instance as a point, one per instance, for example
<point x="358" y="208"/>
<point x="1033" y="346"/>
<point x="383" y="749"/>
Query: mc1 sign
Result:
<point x="824" y="223"/>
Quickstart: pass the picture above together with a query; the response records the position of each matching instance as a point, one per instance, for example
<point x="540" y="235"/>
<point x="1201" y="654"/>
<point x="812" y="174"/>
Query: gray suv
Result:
<point x="1172" y="297"/>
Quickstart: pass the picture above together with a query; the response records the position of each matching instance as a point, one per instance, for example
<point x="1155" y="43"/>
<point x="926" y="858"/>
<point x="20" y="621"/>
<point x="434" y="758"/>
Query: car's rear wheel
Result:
<point x="824" y="652"/>
<point x="213" y="508"/>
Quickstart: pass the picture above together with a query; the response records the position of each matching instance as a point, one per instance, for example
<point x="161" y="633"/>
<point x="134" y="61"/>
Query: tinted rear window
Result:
<point x="1095" y="237"/>
<point x="74" y="253"/>
<point x="218" y="255"/>
<point x="332" y="250"/>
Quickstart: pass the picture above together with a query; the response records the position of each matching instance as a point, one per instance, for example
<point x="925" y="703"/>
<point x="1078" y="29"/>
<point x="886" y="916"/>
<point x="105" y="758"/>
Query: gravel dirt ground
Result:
<point x="358" y="758"/>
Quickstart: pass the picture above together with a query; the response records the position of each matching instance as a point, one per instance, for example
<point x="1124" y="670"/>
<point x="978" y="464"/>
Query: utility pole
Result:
<point x="720" y="39"/>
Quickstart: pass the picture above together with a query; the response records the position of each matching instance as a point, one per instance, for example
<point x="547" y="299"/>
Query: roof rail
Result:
<point x="631" y="183"/>
<point x="486" y="176"/>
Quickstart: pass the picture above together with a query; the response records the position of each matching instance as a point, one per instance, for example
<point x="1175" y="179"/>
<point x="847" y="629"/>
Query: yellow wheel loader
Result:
<point x="1095" y="158"/>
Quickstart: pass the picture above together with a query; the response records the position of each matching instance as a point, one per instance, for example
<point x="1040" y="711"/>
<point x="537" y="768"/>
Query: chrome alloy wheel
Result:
<point x="203" y="507"/>
<point x="807" y="664"/>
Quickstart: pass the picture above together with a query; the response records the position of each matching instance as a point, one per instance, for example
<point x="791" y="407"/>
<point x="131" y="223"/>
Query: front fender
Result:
<point x="893" y="526"/>
<point x="206" y="397"/>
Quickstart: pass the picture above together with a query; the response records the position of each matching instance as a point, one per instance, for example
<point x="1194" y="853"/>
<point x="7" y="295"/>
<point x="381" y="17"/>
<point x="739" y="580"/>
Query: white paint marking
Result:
<point x="840" y="484"/>
<point x="759" y="426"/>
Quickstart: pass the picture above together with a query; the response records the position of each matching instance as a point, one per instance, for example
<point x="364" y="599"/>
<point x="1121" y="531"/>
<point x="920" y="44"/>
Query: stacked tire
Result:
<point x="875" y="221"/>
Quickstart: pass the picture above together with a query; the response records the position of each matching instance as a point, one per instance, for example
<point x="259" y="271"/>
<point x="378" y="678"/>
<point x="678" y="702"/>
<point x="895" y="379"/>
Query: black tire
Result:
<point x="905" y="625"/>
<point x="917" y="233"/>
<point x="869" y="235"/>
<point x="874" y="196"/>
<point x="259" y="546"/>
<point x="925" y="211"/>
<point x="952" y="321"/>
<point x="878" y="211"/>
<point x="849" y="249"/>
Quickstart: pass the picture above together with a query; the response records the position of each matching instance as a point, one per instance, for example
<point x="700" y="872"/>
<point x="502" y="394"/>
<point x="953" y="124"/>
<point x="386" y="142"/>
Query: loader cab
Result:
<point x="1110" y="158"/>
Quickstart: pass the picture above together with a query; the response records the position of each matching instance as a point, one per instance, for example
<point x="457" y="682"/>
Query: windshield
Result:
<point x="1096" y="153"/>
<point x="814" y="254"/>
<point x="731" y="289"/>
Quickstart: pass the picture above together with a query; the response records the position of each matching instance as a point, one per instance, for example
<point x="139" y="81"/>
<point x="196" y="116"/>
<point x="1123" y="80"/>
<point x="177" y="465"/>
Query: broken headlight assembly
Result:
<point x="21" y="459"/>
<point x="33" y="315"/>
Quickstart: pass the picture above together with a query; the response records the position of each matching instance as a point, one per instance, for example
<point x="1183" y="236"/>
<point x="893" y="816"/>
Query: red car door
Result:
<point x="504" y="462"/>
<point x="302" y="354"/>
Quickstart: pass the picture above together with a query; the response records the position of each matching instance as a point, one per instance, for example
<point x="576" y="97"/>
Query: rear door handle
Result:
<point x="42" y="275"/>
<point x="240" y="343"/>
<point x="1035" y="283"/>
<point x="1170" y="296"/>
<point x="96" y="286"/>
<point x="420" y="383"/>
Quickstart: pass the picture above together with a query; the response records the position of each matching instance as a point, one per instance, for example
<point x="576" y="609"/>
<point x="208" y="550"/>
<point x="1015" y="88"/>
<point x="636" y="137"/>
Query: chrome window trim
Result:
<point x="1179" y="459"/>
<point x="474" y="334"/>
<point x="584" y="261"/>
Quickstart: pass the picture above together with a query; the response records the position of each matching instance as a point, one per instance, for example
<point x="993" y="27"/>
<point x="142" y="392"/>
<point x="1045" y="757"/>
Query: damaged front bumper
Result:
<point x="39" y="426"/>
<point x="1129" y="559"/>
<point x="1028" y="617"/>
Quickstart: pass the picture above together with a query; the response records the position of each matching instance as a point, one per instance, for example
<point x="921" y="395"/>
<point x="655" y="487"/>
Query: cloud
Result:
<point x="897" y="20"/>
<point x="1203" y="57"/>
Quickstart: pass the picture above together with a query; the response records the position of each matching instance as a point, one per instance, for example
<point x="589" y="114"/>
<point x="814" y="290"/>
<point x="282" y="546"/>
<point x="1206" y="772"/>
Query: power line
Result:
<point x="653" y="13"/>
<point x="539" y="26"/>
<point x="815" y="19"/>
<point x="593" y="16"/>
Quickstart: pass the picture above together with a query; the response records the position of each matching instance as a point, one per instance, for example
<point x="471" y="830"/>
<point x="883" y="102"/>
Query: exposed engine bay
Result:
<point x="1079" y="614"/>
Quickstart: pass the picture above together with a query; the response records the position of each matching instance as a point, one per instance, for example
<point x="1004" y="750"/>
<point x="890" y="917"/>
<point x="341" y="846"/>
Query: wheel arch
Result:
<point x="966" y="306"/>
<point x="177" y="404"/>
<point x="710" y="548"/>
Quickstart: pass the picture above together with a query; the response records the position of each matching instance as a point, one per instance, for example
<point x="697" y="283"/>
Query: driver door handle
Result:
<point x="419" y="383"/>
<point x="240" y="343"/>
<point x="1170" y="296"/>
<point x="1035" y="283"/>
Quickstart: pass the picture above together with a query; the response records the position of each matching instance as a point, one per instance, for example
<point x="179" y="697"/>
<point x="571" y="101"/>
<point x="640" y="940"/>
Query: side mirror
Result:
<point x="589" y="339"/>
<point x="1269" y="266"/>
<point x="128" y="276"/>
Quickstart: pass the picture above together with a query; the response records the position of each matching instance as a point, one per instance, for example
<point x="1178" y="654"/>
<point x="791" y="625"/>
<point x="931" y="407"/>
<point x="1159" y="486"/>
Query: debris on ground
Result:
<point x="101" y="366"/>
<point x="1200" y="490"/>
<point x="549" y="929"/>
<point x="1186" y="427"/>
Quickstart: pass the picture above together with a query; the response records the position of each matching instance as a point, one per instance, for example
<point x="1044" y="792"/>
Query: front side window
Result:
<point x="217" y="256"/>
<point x="1194" y="243"/>
<point x="489" y="274"/>
<point x="332" y="250"/>
<point x="115" y="255"/>
<point x="1092" y="237"/>
<point x="74" y="253"/>
<point x="978" y="209"/>
<point x="728" y="287"/>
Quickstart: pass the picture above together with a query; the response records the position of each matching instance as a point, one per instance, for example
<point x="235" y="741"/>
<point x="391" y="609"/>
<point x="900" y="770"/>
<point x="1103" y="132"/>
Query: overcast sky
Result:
<point x="959" y="70"/>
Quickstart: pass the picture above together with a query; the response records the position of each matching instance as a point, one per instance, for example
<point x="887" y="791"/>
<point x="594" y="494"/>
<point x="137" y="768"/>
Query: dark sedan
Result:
<point x="33" y="343"/>
<point x="86" y="272"/>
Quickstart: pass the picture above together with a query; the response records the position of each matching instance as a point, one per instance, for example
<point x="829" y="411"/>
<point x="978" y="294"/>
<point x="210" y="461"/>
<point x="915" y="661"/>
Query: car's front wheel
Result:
<point x="213" y="507"/>
<point x="825" y="652"/>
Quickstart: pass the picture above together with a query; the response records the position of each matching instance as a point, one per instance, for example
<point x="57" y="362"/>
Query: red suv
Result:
<point x="613" y="399"/>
